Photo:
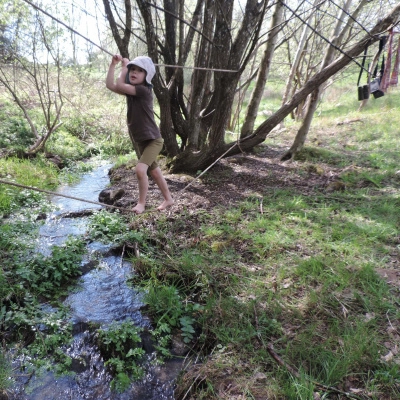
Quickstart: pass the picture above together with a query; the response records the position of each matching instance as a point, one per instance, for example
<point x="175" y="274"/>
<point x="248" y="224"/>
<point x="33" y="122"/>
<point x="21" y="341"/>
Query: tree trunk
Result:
<point x="200" y="83"/>
<point x="210" y="108"/>
<point x="296" y="60"/>
<point x="263" y="72"/>
<point x="122" y="42"/>
<point x="336" y="39"/>
<point x="200" y="160"/>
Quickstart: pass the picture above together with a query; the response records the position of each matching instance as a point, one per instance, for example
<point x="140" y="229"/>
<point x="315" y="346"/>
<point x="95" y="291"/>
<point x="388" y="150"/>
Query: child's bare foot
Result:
<point x="165" y="205"/>
<point x="139" y="208"/>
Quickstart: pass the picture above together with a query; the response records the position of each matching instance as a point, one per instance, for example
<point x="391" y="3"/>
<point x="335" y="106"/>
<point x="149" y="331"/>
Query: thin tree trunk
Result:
<point x="263" y="71"/>
<point x="201" y="160"/>
<point x="336" y="39"/>
<point x="297" y="58"/>
<point x="122" y="42"/>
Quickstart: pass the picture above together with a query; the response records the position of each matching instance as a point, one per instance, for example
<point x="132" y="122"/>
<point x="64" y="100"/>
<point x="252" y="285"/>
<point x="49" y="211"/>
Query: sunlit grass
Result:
<point x="301" y="271"/>
<point x="5" y="372"/>
<point x="37" y="174"/>
<point x="26" y="172"/>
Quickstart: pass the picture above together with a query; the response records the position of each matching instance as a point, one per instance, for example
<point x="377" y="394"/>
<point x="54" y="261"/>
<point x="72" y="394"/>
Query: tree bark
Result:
<point x="257" y="94"/>
<point x="336" y="38"/>
<point x="200" y="160"/>
<point x="297" y="58"/>
<point x="121" y="41"/>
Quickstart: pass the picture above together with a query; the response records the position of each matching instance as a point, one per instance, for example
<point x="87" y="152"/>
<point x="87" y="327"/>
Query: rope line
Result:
<point x="109" y="53"/>
<point x="68" y="27"/>
<point x="323" y="37"/>
<point x="60" y="194"/>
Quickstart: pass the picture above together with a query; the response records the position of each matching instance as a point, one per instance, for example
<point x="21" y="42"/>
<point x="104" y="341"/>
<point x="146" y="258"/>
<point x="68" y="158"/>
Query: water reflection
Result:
<point x="104" y="296"/>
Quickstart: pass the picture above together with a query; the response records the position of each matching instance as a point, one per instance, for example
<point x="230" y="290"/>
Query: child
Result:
<point x="134" y="81"/>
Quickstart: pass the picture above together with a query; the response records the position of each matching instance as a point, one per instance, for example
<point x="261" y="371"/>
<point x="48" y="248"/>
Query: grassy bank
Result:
<point x="292" y="295"/>
<point x="287" y="294"/>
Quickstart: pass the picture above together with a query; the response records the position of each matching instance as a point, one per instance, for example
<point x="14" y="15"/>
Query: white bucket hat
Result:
<point x="145" y="63"/>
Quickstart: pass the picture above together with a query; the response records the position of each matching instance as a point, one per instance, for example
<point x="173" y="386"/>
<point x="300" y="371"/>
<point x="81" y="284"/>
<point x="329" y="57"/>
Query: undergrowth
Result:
<point x="301" y="276"/>
<point x="304" y="279"/>
<point x="290" y="300"/>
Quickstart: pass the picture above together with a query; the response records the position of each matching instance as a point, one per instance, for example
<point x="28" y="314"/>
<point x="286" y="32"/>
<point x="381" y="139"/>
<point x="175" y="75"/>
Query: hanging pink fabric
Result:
<point x="394" y="78"/>
<point x="385" y="81"/>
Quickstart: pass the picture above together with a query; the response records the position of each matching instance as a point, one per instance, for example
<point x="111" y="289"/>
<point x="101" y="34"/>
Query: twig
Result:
<point x="190" y="388"/>
<point x="58" y="194"/>
<point x="122" y="256"/>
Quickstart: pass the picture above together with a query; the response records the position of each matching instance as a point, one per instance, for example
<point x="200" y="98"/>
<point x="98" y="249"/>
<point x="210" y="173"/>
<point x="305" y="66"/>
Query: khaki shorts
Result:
<point x="149" y="150"/>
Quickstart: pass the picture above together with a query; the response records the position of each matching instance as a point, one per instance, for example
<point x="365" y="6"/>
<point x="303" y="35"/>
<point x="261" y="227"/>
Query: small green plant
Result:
<point x="121" y="381"/>
<point x="170" y="313"/>
<point x="120" y="344"/>
<point x="14" y="130"/>
<point x="45" y="275"/>
<point x="106" y="226"/>
<point x="5" y="373"/>
<point x="187" y="329"/>
<point x="51" y="337"/>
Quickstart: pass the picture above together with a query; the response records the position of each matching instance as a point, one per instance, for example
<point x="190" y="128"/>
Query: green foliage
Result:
<point x="84" y="126"/>
<point x="127" y="160"/>
<point x="15" y="132"/>
<point x="51" y="334"/>
<point x="25" y="279"/>
<point x="47" y="331"/>
<point x="187" y="323"/>
<point x="121" y="381"/>
<point x="170" y="313"/>
<point x="45" y="275"/>
<point x="5" y="372"/>
<point x="68" y="146"/>
<point x="121" y="346"/>
<point x="37" y="173"/>
<point x="107" y="226"/>
<point x="15" y="241"/>
<point x="97" y="134"/>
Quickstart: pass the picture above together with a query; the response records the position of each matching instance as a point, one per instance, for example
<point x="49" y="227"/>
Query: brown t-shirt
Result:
<point x="140" y="115"/>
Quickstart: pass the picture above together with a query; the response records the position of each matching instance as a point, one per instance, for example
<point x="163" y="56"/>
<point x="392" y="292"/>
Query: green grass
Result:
<point x="305" y="275"/>
<point x="308" y="275"/>
<point x="5" y="372"/>
<point x="37" y="173"/>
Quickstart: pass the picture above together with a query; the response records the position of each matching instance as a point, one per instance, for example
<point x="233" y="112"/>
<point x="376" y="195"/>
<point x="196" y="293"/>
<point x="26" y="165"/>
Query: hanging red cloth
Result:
<point x="394" y="78"/>
<point x="385" y="81"/>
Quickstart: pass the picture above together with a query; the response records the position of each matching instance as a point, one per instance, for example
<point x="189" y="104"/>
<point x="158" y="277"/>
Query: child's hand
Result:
<point x="116" y="59"/>
<point x="124" y="61"/>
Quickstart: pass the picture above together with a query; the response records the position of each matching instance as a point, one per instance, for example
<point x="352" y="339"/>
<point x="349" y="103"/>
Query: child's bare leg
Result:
<point x="143" y="182"/>
<point x="163" y="186"/>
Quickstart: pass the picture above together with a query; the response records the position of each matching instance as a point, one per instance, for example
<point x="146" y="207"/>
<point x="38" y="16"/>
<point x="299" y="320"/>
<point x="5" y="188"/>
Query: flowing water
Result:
<point x="102" y="296"/>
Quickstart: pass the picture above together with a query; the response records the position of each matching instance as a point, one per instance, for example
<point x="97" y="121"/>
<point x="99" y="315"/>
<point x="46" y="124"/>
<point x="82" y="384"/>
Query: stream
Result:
<point x="102" y="296"/>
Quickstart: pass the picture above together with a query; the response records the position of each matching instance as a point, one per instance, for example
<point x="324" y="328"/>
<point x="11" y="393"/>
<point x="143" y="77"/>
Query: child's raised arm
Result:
<point x="110" y="80"/>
